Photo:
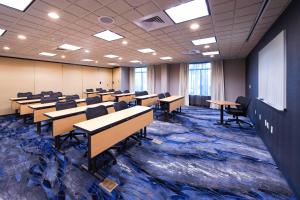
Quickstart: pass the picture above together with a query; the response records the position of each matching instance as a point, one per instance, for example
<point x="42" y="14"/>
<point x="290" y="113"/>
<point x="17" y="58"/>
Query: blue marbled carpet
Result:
<point x="196" y="160"/>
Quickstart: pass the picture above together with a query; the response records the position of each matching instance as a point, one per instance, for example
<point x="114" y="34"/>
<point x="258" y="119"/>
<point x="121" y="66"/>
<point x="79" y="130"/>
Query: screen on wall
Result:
<point x="272" y="73"/>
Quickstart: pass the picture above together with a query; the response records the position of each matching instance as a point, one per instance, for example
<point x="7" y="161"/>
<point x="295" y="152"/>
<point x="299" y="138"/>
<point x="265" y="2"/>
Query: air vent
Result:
<point x="191" y="52"/>
<point x="106" y="20"/>
<point x="154" y="21"/>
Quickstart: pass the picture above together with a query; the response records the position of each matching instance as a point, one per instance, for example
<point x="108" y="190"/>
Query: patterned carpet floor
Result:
<point x="196" y="160"/>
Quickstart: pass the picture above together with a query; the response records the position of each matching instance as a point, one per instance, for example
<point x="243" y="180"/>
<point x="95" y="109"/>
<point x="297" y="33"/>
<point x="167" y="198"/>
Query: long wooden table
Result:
<point x="171" y="103"/>
<point x="106" y="96"/>
<point x="63" y="120"/>
<point x="91" y="94"/>
<point x="147" y="100"/>
<point x="106" y="131"/>
<point x="41" y="108"/>
<point x="222" y="104"/>
<point x="13" y="103"/>
<point x="124" y="97"/>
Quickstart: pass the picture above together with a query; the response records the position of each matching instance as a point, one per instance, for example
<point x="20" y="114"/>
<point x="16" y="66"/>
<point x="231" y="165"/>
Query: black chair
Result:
<point x="24" y="94"/>
<point x="111" y="90"/>
<point x="161" y="96"/>
<point x="49" y="99"/>
<point x="120" y="106"/>
<point x="126" y="91"/>
<point x="104" y="90"/>
<point x="65" y="105"/>
<point x="93" y="100"/>
<point x="144" y="93"/>
<point x="56" y="94"/>
<point x="167" y="94"/>
<point x="118" y="92"/>
<point x="98" y="111"/>
<point x="89" y="90"/>
<point x="46" y="93"/>
<point x="72" y="97"/>
<point x="138" y="94"/>
<point x="240" y="110"/>
<point x="99" y="89"/>
<point x="35" y="96"/>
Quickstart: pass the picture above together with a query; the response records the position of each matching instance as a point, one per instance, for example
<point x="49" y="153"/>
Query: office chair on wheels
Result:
<point x="240" y="110"/>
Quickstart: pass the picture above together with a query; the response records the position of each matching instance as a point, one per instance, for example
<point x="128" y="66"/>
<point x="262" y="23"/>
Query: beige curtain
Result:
<point x="150" y="79"/>
<point x="183" y="82"/>
<point x="132" y="79"/>
<point x="217" y="82"/>
<point x="164" y="78"/>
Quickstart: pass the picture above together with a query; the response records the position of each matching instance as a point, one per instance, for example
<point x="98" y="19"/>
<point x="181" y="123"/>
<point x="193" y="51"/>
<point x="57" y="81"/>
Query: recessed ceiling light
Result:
<point x="206" y="46"/>
<point x="120" y="58"/>
<point x="87" y="51"/>
<point x="212" y="56"/>
<point x="147" y="50"/>
<point x="6" y="48"/>
<point x="22" y="37"/>
<point x="87" y="60"/>
<point x="204" y="41"/>
<point x="166" y="58"/>
<point x="16" y="4"/>
<point x="124" y="42"/>
<point x="96" y="61"/>
<point x="2" y="31"/>
<point x="69" y="47"/>
<point x="112" y="64"/>
<point x="108" y="35"/>
<point x="135" y="61"/>
<point x="188" y="11"/>
<point x="154" y="53"/>
<point x="47" y="54"/>
<point x="110" y="56"/>
<point x="53" y="15"/>
<point x="210" y="53"/>
<point x="63" y="56"/>
<point x="194" y="26"/>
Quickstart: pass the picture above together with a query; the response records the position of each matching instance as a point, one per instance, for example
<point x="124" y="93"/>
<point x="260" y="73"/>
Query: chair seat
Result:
<point x="235" y="111"/>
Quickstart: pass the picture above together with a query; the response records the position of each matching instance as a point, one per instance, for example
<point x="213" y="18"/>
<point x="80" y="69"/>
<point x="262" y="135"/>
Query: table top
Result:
<point x="40" y="106"/>
<point x="101" y="123"/>
<point x="171" y="99"/>
<point x="146" y="96"/>
<point x="17" y="98"/>
<point x="105" y="93"/>
<point x="224" y="103"/>
<point x="72" y="111"/>
<point x="30" y="101"/>
<point x="124" y="94"/>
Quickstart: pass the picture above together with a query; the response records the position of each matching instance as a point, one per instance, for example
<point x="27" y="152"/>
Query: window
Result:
<point x="141" y="79"/>
<point x="199" y="79"/>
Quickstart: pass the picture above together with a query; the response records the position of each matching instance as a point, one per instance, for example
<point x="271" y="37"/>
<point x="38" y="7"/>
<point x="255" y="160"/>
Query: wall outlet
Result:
<point x="271" y="131"/>
<point x="259" y="116"/>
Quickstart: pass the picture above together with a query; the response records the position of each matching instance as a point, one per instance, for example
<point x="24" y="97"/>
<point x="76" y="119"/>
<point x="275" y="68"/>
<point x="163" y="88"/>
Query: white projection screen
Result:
<point x="272" y="73"/>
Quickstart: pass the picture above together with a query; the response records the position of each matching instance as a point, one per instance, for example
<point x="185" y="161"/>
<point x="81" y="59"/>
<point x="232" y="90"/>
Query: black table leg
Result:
<point x="145" y="134"/>
<point x="222" y="115"/>
<point x="38" y="127"/>
<point x="57" y="142"/>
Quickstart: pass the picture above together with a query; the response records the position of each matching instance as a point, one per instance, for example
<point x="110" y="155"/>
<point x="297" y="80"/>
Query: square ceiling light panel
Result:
<point x="166" y="58"/>
<point x="47" y="54"/>
<point x="211" y="53"/>
<point x="2" y="31"/>
<point x="21" y="5"/>
<point x="147" y="50"/>
<point x="69" y="47"/>
<point x="108" y="35"/>
<point x="203" y="41"/>
<point x="111" y="56"/>
<point x="188" y="11"/>
<point x="87" y="60"/>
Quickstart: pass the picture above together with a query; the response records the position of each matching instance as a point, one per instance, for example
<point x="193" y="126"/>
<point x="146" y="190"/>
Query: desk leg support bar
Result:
<point x="57" y="142"/>
<point x="144" y="135"/>
<point x="38" y="127"/>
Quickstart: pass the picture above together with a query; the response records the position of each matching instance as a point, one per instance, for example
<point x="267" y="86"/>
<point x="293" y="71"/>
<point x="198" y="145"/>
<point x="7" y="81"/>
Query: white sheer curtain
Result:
<point x="150" y="79"/>
<point x="164" y="78"/>
<point x="217" y="82"/>
<point x="183" y="82"/>
<point x="132" y="79"/>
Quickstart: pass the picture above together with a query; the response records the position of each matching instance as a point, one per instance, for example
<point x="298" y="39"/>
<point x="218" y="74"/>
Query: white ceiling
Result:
<point x="230" y="21"/>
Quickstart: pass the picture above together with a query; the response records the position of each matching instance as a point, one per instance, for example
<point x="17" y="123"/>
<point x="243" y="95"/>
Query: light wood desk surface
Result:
<point x="31" y="101"/>
<point x="224" y="103"/>
<point x="123" y="94"/>
<point x="40" y="106"/>
<point x="17" y="98"/>
<point x="171" y="99"/>
<point x="105" y="93"/>
<point x="146" y="96"/>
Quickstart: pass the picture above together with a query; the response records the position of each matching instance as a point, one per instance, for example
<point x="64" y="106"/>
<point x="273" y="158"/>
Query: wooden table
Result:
<point x="14" y="105"/>
<point x="106" y="131"/>
<point x="41" y="108"/>
<point x="124" y="97"/>
<point x="147" y="100"/>
<point x="91" y="94"/>
<point x="171" y="103"/>
<point x="222" y="104"/>
<point x="106" y="96"/>
<point x="63" y="120"/>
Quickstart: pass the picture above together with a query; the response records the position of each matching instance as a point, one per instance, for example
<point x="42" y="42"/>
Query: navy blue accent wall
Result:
<point x="284" y="143"/>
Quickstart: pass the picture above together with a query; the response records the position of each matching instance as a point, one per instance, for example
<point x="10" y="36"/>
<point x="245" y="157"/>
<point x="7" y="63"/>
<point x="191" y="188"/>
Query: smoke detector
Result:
<point x="106" y="20"/>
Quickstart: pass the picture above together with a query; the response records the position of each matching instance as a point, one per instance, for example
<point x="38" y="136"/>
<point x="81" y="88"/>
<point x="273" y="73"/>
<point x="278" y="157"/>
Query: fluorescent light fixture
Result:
<point x="135" y="61"/>
<point x="17" y="4"/>
<point x="211" y="53"/>
<point x="6" y="48"/>
<point x="2" y="31"/>
<point x="209" y="40"/>
<point x="108" y="35"/>
<point x="188" y="11"/>
<point x="47" y="54"/>
<point x="147" y="50"/>
<point x="53" y="15"/>
<point x="87" y="60"/>
<point x="112" y="63"/>
<point x="69" y="47"/>
<point x="110" y="56"/>
<point x="166" y="58"/>
<point x="22" y="37"/>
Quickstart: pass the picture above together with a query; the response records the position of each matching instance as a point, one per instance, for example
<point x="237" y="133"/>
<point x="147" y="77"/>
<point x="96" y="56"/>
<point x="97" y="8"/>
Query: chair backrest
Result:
<point x="98" y="89"/>
<point x="72" y="97"/>
<point x="24" y="94"/>
<point x="56" y="94"/>
<point x="98" y="111"/>
<point x="111" y="90"/>
<point x="120" y="106"/>
<point x="49" y="99"/>
<point x="89" y="90"/>
<point x="35" y="96"/>
<point x="244" y="103"/>
<point x="93" y="100"/>
<point x="167" y="94"/>
<point x="161" y="96"/>
<point x="104" y="90"/>
<point x="126" y="91"/>
<point x="65" y="105"/>
<point x="144" y="93"/>
<point x="118" y="92"/>
<point x="138" y="93"/>
<point x="46" y="93"/>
